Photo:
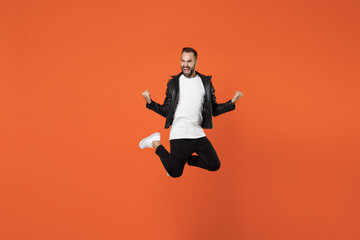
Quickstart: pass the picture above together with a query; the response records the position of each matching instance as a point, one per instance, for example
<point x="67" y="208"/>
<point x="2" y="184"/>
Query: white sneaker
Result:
<point x="147" y="142"/>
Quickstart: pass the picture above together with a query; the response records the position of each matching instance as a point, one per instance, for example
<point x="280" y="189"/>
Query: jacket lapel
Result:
<point x="176" y="85"/>
<point x="206" y="82"/>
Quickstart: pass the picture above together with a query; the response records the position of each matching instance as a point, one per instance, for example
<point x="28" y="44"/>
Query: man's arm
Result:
<point x="220" y="108"/>
<point x="156" y="107"/>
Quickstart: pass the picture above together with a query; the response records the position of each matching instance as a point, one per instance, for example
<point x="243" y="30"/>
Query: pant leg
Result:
<point x="207" y="157"/>
<point x="174" y="162"/>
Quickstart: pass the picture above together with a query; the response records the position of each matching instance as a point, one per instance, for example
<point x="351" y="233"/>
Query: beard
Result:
<point x="192" y="70"/>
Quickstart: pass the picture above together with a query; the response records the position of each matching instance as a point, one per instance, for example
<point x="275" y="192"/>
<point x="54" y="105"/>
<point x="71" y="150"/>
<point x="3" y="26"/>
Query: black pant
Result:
<point x="181" y="152"/>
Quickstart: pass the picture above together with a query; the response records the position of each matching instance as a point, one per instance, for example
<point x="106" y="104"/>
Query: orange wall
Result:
<point x="72" y="115"/>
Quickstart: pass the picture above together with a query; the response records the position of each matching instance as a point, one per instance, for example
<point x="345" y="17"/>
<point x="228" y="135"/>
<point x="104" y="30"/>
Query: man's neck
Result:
<point x="192" y="75"/>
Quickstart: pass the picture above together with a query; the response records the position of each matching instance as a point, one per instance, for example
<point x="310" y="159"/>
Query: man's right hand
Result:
<point x="146" y="95"/>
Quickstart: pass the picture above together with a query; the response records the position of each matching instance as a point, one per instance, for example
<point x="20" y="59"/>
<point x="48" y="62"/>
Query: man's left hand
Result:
<point x="237" y="96"/>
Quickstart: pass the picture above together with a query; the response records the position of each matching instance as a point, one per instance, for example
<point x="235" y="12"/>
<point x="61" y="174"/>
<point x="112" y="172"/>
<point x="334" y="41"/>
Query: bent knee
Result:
<point x="175" y="174"/>
<point x="214" y="167"/>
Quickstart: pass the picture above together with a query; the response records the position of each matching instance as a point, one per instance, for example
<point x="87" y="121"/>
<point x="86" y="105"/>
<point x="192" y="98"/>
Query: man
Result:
<point x="189" y="105"/>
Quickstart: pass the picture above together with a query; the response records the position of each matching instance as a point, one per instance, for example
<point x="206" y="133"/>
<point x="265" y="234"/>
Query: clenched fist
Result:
<point x="237" y="96"/>
<point x="146" y="95"/>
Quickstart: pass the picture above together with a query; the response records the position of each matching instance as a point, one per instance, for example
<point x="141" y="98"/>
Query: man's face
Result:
<point x="188" y="63"/>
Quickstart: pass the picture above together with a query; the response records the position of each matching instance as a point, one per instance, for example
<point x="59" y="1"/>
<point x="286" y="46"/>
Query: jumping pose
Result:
<point x="188" y="107"/>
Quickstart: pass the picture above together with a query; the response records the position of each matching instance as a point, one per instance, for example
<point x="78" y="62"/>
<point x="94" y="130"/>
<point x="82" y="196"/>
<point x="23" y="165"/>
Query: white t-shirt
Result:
<point x="187" y="116"/>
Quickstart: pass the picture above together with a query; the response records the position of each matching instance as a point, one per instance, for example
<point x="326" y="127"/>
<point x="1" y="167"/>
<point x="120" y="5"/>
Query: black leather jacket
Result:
<point x="210" y="106"/>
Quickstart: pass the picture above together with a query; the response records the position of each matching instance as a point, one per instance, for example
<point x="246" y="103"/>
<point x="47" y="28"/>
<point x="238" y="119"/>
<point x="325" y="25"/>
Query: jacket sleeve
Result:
<point x="161" y="109"/>
<point x="219" y="108"/>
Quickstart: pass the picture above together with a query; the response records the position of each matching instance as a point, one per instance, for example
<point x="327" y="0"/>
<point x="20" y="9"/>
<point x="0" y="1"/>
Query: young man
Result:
<point x="189" y="106"/>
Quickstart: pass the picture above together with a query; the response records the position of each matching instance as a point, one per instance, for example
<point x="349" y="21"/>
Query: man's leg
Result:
<point x="174" y="162"/>
<point x="206" y="155"/>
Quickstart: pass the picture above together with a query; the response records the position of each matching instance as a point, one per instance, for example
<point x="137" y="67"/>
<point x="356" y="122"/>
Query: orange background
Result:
<point x="72" y="115"/>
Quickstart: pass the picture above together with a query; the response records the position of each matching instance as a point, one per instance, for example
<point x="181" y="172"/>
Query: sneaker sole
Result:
<point x="147" y="139"/>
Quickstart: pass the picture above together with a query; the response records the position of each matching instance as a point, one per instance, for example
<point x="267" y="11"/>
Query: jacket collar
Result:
<point x="203" y="77"/>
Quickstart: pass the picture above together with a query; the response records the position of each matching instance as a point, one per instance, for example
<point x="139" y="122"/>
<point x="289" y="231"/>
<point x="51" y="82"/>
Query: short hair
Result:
<point x="188" y="50"/>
